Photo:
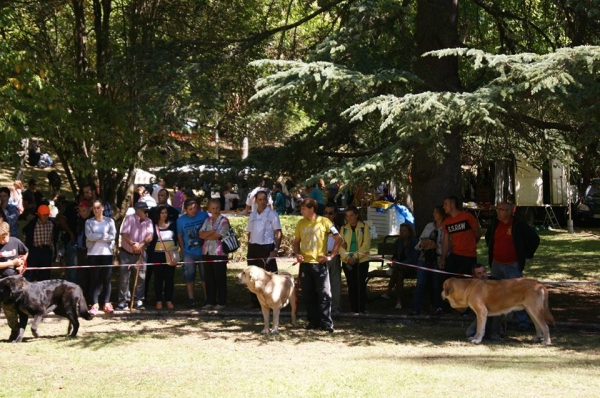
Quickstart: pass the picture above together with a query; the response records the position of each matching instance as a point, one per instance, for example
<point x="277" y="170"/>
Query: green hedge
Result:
<point x="288" y="228"/>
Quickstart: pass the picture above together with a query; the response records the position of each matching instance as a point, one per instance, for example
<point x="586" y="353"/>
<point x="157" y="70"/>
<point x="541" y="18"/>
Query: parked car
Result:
<point x="589" y="206"/>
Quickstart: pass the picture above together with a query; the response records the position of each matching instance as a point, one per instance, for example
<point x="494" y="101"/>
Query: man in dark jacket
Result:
<point x="510" y="242"/>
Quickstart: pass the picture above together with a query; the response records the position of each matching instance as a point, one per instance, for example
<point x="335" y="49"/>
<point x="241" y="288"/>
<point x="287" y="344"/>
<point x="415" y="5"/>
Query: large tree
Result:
<point x="377" y="112"/>
<point x="105" y="82"/>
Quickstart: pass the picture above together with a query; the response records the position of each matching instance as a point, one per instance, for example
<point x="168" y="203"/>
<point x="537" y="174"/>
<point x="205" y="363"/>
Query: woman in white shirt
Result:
<point x="100" y="233"/>
<point x="159" y="257"/>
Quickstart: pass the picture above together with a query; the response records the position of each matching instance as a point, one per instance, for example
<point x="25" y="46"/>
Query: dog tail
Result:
<point x="547" y="314"/>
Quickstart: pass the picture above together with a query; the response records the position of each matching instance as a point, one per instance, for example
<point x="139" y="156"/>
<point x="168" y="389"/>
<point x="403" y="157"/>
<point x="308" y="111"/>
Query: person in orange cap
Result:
<point x="39" y="239"/>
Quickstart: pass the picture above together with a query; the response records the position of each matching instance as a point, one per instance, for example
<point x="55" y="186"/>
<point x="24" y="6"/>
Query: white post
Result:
<point x="245" y="148"/>
<point x="570" y="220"/>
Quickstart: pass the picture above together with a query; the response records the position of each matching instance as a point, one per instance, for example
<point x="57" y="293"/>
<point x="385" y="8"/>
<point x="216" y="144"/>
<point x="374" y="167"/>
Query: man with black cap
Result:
<point x="136" y="233"/>
<point x="39" y="238"/>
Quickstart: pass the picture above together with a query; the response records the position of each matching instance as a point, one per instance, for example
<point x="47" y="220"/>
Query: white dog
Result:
<point x="273" y="292"/>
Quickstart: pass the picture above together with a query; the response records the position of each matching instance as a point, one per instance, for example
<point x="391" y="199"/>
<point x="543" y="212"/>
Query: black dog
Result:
<point x="22" y="299"/>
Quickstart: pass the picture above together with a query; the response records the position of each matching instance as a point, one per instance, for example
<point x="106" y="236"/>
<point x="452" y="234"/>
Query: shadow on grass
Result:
<point x="351" y="334"/>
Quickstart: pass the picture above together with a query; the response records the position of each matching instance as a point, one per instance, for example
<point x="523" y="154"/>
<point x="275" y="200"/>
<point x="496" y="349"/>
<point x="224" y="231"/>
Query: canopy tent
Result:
<point x="143" y="177"/>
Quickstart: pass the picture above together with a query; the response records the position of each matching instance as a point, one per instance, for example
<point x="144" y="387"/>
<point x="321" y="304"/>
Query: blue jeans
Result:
<point x="425" y="278"/>
<point x="189" y="267"/>
<point x="511" y="271"/>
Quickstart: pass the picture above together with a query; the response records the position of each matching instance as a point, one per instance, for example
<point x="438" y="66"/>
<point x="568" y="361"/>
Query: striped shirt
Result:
<point x="137" y="230"/>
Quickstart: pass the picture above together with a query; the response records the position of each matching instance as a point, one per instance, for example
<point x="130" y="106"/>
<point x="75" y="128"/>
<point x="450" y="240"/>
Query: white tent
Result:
<point x="143" y="177"/>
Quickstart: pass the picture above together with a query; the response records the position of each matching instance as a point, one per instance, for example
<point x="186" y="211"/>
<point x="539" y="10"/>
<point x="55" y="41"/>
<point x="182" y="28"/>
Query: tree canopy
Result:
<point x="356" y="90"/>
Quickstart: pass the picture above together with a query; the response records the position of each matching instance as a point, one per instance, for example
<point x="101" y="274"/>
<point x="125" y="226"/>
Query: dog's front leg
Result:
<point x="265" y="312"/>
<point x="481" y="321"/>
<point x="34" y="325"/>
<point x="275" y="329"/>
<point x="19" y="337"/>
<point x="294" y="306"/>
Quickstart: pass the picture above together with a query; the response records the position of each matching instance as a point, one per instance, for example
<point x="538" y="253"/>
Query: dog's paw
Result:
<point x="34" y="332"/>
<point x="19" y="337"/>
<point x="475" y="340"/>
<point x="264" y="331"/>
<point x="274" y="331"/>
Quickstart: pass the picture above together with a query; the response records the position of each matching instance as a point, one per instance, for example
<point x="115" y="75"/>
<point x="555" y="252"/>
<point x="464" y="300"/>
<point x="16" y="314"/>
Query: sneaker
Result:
<point x="385" y="296"/>
<point x="122" y="307"/>
<point x="170" y="305"/>
<point x="327" y="329"/>
<point x="219" y="307"/>
<point x="159" y="305"/>
<point x="139" y="305"/>
<point x="94" y="310"/>
<point x="208" y="307"/>
<point x="439" y="312"/>
<point x="191" y="303"/>
<point x="108" y="308"/>
<point x="398" y="306"/>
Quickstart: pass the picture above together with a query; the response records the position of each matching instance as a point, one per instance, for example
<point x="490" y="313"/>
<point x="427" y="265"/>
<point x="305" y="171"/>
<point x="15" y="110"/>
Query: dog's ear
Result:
<point x="448" y="287"/>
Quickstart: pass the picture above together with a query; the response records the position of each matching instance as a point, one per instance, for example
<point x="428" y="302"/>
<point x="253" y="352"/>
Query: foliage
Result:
<point x="288" y="229"/>
<point x="521" y="93"/>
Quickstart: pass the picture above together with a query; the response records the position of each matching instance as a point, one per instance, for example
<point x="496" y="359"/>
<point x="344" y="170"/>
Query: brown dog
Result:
<point x="273" y="292"/>
<point x="490" y="298"/>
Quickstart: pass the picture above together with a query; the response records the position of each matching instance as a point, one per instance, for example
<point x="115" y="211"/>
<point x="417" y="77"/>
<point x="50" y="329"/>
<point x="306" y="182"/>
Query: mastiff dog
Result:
<point x="273" y="292"/>
<point x="22" y="299"/>
<point x="497" y="297"/>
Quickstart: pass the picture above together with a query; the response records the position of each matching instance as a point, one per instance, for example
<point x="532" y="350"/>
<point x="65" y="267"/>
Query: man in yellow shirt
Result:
<point x="310" y="248"/>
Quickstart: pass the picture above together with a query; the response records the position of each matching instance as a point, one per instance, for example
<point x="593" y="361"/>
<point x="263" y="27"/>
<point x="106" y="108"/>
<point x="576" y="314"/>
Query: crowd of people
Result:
<point x="84" y="236"/>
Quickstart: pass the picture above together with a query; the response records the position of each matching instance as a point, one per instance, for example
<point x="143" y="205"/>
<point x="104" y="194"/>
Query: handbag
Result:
<point x="230" y="242"/>
<point x="172" y="253"/>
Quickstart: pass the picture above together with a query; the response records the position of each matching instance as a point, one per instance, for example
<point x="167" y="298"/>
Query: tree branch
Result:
<point x="495" y="11"/>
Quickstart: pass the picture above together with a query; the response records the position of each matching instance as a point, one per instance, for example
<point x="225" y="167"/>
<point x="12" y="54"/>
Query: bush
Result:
<point x="288" y="228"/>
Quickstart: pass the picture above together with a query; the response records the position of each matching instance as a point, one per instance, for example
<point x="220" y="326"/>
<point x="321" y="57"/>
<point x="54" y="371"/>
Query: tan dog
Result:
<point x="273" y="292"/>
<point x="497" y="297"/>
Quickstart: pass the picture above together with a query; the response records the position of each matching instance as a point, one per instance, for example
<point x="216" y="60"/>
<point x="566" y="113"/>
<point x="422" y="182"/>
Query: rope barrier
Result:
<point x="265" y="260"/>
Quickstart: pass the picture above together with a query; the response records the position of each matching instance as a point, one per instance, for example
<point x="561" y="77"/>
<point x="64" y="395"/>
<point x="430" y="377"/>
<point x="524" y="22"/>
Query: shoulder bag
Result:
<point x="230" y="242"/>
<point x="172" y="253"/>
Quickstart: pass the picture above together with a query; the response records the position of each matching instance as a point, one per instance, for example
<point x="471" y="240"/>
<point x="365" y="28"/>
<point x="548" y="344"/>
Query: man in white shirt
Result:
<point x="264" y="237"/>
<point x="251" y="204"/>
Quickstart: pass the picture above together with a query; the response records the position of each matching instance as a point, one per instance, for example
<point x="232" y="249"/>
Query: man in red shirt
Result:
<point x="510" y="242"/>
<point x="461" y="234"/>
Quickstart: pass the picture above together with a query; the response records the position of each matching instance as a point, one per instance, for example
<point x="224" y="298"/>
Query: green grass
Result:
<point x="227" y="357"/>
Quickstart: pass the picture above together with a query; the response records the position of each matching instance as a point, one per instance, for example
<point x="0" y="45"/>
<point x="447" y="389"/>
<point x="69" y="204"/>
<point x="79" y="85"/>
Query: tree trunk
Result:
<point x="432" y="181"/>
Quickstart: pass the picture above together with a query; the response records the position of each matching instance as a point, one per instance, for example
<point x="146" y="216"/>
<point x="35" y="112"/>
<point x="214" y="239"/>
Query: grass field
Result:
<point x="211" y="356"/>
<point x="384" y="354"/>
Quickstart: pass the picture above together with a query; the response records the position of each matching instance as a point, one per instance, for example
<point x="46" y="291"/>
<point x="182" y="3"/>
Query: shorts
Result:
<point x="189" y="267"/>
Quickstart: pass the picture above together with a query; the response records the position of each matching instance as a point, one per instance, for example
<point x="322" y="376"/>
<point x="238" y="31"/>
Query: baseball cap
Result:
<point x="43" y="210"/>
<point x="141" y="205"/>
<point x="84" y="203"/>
